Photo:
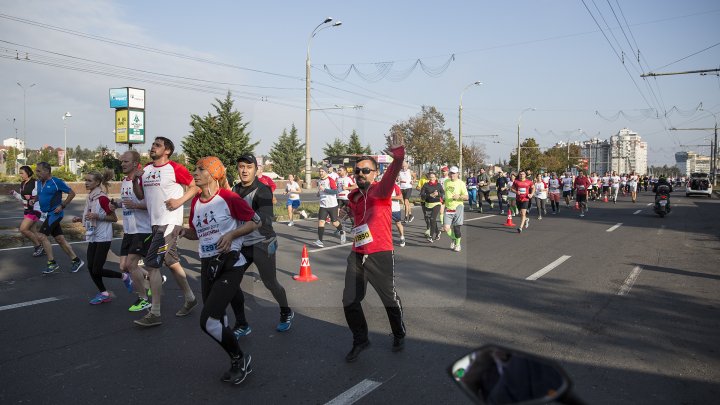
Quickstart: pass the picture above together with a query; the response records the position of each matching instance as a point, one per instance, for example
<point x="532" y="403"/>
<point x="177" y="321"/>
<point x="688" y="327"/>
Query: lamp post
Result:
<point x="24" y="89"/>
<point x="518" y="136"/>
<point x="713" y="150"/>
<point x="460" y="143"/>
<point x="65" y="156"/>
<point x="317" y="29"/>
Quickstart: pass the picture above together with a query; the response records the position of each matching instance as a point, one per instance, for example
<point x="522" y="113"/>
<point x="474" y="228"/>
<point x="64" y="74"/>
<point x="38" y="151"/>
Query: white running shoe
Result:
<point x="457" y="248"/>
<point x="343" y="238"/>
<point x="452" y="245"/>
<point x="291" y="223"/>
<point x="304" y="214"/>
<point x="527" y="223"/>
<point x="319" y="243"/>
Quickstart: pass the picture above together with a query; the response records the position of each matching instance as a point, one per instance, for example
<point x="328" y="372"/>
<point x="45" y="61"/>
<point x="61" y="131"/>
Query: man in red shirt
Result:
<point x="582" y="184"/>
<point x="524" y="190"/>
<point x="371" y="259"/>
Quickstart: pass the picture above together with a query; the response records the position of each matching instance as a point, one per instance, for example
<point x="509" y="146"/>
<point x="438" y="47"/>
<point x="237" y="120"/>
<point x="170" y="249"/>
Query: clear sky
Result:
<point x="550" y="55"/>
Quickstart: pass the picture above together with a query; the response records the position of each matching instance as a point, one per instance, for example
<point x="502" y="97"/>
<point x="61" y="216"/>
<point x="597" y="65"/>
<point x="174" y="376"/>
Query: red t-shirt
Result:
<point x="581" y="185"/>
<point x="523" y="189"/>
<point x="268" y="182"/>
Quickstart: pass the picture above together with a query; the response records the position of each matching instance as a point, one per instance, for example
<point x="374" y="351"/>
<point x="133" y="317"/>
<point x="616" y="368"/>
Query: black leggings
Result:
<point x="217" y="294"/>
<point x="96" y="256"/>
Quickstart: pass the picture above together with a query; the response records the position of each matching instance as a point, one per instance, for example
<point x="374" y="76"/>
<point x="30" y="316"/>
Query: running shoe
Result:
<point x="502" y="212"/>
<point x="285" y="321"/>
<point x="343" y="237"/>
<point x="355" y="351"/>
<point x="149" y="320"/>
<point x="411" y="218"/>
<point x="51" y="267"/>
<point x="304" y="214"/>
<point x="457" y="248"/>
<point x="319" y="243"/>
<point x="427" y="233"/>
<point x="291" y="223"/>
<point x="39" y="251"/>
<point x="241" y="331"/>
<point x="540" y="218"/>
<point x="437" y="236"/>
<point x="429" y="239"/>
<point x="239" y="370"/>
<point x="187" y="308"/>
<point x="76" y="265"/>
<point x="519" y="229"/>
<point x="100" y="298"/>
<point x="527" y="223"/>
<point x="139" y="305"/>
<point x="582" y="215"/>
<point x="398" y="344"/>
<point x="128" y="283"/>
<point x="452" y="245"/>
<point x="492" y="206"/>
<point x="402" y="242"/>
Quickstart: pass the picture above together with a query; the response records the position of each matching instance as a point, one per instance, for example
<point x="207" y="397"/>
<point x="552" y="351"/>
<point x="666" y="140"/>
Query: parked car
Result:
<point x="699" y="184"/>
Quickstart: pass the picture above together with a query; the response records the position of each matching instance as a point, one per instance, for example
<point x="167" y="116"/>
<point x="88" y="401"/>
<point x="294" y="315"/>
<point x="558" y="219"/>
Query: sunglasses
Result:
<point x="363" y="170"/>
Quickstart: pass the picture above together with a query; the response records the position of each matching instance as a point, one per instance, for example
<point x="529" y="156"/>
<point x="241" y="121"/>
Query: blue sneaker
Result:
<point x="76" y="265"/>
<point x="51" y="268"/>
<point x="128" y="283"/>
<point x="99" y="299"/>
<point x="242" y="331"/>
<point x="285" y="321"/>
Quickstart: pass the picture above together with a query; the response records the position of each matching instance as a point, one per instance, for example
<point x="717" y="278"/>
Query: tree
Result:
<point x="474" y="156"/>
<point x="288" y="154"/>
<point x="425" y="136"/>
<point x="337" y="148"/>
<point x="222" y="134"/>
<point x="530" y="156"/>
<point x="10" y="159"/>
<point x="354" y="147"/>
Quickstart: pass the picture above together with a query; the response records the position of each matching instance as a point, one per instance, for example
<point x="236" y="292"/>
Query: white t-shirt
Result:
<point x="292" y="188"/>
<point x="405" y="179"/>
<point x="594" y="180"/>
<point x="606" y="181"/>
<point x="540" y="191"/>
<point x="615" y="181"/>
<point x="343" y="183"/>
<point x="327" y="200"/>
<point x="554" y="185"/>
<point x="567" y="183"/>
<point x="395" y="204"/>
<point x="134" y="220"/>
<point x="99" y="230"/>
<point x="161" y="183"/>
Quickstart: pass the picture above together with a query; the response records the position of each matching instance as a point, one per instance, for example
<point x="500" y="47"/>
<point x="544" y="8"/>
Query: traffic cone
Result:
<point x="605" y="198"/>
<point x="509" y="221"/>
<point x="577" y="205"/>
<point x="305" y="271"/>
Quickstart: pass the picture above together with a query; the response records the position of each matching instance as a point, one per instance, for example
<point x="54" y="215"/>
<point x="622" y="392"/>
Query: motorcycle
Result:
<point x="662" y="201"/>
<point x="495" y="374"/>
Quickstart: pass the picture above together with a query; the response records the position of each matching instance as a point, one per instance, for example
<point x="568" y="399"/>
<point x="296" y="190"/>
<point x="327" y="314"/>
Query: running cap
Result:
<point x="444" y="169"/>
<point x="454" y="169"/>
<point x="247" y="158"/>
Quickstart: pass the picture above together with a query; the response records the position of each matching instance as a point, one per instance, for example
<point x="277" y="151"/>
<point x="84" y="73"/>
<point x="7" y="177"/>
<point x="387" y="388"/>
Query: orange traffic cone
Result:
<point x="305" y="271"/>
<point x="577" y="205"/>
<point x="605" y="198"/>
<point x="509" y="221"/>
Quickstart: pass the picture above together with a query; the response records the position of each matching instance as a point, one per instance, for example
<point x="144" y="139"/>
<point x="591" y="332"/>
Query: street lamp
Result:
<point x="65" y="156"/>
<point x="460" y="143"/>
<point x="518" y="136"/>
<point x="25" y="118"/>
<point x="317" y="29"/>
<point x="713" y="150"/>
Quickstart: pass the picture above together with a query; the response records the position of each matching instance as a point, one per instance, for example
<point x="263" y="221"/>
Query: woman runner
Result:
<point x="27" y="195"/>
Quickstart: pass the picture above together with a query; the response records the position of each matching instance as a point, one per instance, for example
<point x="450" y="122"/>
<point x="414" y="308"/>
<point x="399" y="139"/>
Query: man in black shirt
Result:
<point x="501" y="190"/>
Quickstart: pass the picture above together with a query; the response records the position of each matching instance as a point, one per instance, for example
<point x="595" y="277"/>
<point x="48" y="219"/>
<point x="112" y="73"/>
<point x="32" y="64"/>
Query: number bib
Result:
<point x="361" y="235"/>
<point x="581" y="188"/>
<point x="208" y="246"/>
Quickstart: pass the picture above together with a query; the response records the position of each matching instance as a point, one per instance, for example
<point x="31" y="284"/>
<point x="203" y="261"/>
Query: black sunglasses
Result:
<point x="364" y="170"/>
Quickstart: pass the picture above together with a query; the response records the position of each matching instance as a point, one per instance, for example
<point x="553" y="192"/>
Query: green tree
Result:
<point x="222" y="134"/>
<point x="354" y="147"/>
<point x="425" y="135"/>
<point x="449" y="149"/>
<point x="288" y="154"/>
<point x="10" y="158"/>
<point x="63" y="174"/>
<point x="530" y="156"/>
<point x="49" y="155"/>
<point x="556" y="159"/>
<point x="337" y="148"/>
<point x="474" y="156"/>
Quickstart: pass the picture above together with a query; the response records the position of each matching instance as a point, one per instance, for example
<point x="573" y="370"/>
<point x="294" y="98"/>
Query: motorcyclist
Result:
<point x="663" y="187"/>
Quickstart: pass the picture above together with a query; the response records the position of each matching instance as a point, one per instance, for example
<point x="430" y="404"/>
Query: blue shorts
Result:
<point x="294" y="203"/>
<point x="396" y="216"/>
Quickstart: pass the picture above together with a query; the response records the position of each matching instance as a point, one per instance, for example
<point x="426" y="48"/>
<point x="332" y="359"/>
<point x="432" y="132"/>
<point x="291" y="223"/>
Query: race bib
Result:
<point x="581" y="187"/>
<point x="127" y="213"/>
<point x="208" y="248"/>
<point x="522" y="190"/>
<point x="361" y="235"/>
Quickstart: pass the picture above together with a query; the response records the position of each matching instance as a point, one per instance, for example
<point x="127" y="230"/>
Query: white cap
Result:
<point x="454" y="169"/>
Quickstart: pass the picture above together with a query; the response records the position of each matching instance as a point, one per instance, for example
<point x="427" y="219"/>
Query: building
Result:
<point x="691" y="162"/>
<point x="628" y="152"/>
<point x="16" y="143"/>
<point x="598" y="154"/>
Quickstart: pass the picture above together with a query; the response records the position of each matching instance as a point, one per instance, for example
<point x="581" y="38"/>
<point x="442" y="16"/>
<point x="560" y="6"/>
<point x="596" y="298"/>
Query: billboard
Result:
<point x="136" y="126"/>
<point x="136" y="98"/>
<point x="119" y="98"/>
<point x="121" y="126"/>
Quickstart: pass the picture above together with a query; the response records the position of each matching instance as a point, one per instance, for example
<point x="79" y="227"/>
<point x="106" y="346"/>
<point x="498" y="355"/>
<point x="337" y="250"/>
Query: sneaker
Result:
<point x="452" y="245"/>
<point x="128" y="283"/>
<point x="398" y="344"/>
<point x="429" y="239"/>
<point x="139" y="305"/>
<point x="492" y="206"/>
<point x="304" y="214"/>
<point x="410" y="218"/>
<point x="427" y="233"/>
<point x="539" y="218"/>
<point x="319" y="243"/>
<point x="149" y="320"/>
<point x="343" y="237"/>
<point x="100" y="298"/>
<point x="187" y="308"/>
<point x="51" y="267"/>
<point x="291" y="223"/>
<point x="239" y="370"/>
<point x="457" y="247"/>
<point x="519" y="230"/>
<point x="527" y="223"/>
<point x="437" y="236"/>
<point x="582" y="215"/>
<point x="39" y="251"/>
<point x="402" y="242"/>
<point x="76" y="265"/>
<point x="285" y="322"/>
<point x="355" y="351"/>
<point x="241" y="331"/>
<point x="502" y="212"/>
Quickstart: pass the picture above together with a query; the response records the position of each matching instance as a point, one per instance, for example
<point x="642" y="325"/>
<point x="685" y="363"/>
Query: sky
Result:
<point x="575" y="62"/>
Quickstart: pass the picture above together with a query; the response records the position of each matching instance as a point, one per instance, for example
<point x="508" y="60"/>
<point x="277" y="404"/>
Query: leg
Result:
<point x="353" y="294"/>
<point x="60" y="239"/>
<point x="434" y="213"/>
<point x="26" y="228"/>
<point x="266" y="265"/>
<point x="216" y="296"/>
<point x="380" y="270"/>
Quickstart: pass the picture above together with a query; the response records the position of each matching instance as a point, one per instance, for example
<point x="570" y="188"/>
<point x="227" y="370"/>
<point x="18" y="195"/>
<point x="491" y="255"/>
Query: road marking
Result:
<point x="614" y="227"/>
<point x="649" y="204"/>
<point x="475" y="219"/>
<point x="660" y="231"/>
<point x="637" y="212"/>
<point x="53" y="244"/>
<point x="549" y="267"/>
<point x="352" y="395"/>
<point x="28" y="303"/>
<point x="627" y="285"/>
<point x="329" y="247"/>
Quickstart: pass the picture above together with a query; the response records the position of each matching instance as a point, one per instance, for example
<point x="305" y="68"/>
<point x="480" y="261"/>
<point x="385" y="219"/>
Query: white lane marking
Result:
<point x="660" y="231"/>
<point x="475" y="219"/>
<point x="352" y="395"/>
<point x="549" y="267"/>
<point x="637" y="212"/>
<point x="53" y="244"/>
<point x="614" y="227"/>
<point x="627" y="285"/>
<point x="28" y="303"/>
<point x="329" y="247"/>
<point x="649" y="204"/>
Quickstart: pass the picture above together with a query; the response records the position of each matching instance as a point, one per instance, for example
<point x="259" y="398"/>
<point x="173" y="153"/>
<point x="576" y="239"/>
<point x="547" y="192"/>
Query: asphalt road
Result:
<point x="632" y="311"/>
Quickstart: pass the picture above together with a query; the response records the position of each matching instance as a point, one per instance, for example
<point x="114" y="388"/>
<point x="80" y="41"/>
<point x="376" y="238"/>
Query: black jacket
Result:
<point x="260" y="198"/>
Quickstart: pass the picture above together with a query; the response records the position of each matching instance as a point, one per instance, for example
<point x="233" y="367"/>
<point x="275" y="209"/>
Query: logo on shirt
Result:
<point x="153" y="178"/>
<point x="205" y="221"/>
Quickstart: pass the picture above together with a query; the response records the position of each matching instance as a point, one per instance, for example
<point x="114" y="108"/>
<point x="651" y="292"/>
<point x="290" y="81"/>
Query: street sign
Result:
<point x="121" y="125"/>
<point x="119" y="98"/>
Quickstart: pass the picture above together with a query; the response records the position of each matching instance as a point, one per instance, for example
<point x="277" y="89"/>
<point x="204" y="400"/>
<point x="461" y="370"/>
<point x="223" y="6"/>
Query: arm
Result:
<point x="387" y="183"/>
<point x="190" y="191"/>
<point x="70" y="196"/>
<point x="137" y="184"/>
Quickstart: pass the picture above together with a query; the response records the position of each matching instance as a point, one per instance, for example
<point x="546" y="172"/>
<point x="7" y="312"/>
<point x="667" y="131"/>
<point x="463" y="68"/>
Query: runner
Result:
<point x="49" y="194"/>
<point x="633" y="185"/>
<point x="259" y="247"/>
<point x="483" y="180"/>
<point x="426" y="213"/>
<point x="406" y="178"/>
<point x="137" y="231"/>
<point x="606" y="186"/>
<point x="266" y="180"/>
<point x="524" y="189"/>
<point x="345" y="185"/>
<point x="396" y="198"/>
<point x="443" y="178"/>
<point x="615" y="186"/>
<point x="501" y="189"/>
<point x="540" y="196"/>
<point x="511" y="196"/>
<point x="27" y="194"/>
<point x="623" y="184"/>
<point x="292" y="190"/>
<point x="455" y="195"/>
<point x="161" y="184"/>
<point x="97" y="219"/>
<point x="471" y="184"/>
<point x="372" y="256"/>
<point x="554" y="188"/>
<point x="432" y="193"/>
<point x="567" y="186"/>
<point x="221" y="263"/>
<point x="582" y="184"/>
<point x="594" y="189"/>
<point x="327" y="191"/>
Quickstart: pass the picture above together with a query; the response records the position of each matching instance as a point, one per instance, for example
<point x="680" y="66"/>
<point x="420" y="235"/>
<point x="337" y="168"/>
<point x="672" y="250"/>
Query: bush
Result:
<point x="63" y="174"/>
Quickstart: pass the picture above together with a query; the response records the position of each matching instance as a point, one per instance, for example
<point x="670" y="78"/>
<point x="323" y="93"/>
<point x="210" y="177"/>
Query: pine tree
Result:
<point x="288" y="154"/>
<point x="354" y="147"/>
<point x="337" y="148"/>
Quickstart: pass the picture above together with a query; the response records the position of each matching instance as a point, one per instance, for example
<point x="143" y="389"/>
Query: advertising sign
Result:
<point x="136" y="98"/>
<point x="119" y="98"/>
<point x="121" y="126"/>
<point x="136" y="126"/>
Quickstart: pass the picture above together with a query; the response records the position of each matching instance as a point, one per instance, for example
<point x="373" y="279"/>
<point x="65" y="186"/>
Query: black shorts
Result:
<point x="53" y="229"/>
<point x="406" y="193"/>
<point x="567" y="193"/>
<point x="325" y="212"/>
<point x="163" y="249"/>
<point x="523" y="205"/>
<point x="343" y="203"/>
<point x="135" y="244"/>
<point x="606" y="189"/>
<point x="581" y="198"/>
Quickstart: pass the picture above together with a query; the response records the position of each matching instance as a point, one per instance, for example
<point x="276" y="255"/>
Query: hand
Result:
<point x="58" y="209"/>
<point x="92" y="215"/>
<point x="173" y="204"/>
<point x="397" y="140"/>
<point x="77" y="219"/>
<point x="139" y="173"/>
<point x="224" y="243"/>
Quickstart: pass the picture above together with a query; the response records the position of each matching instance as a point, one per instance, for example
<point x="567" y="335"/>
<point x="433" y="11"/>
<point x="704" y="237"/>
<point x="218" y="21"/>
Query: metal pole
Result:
<point x="65" y="154"/>
<point x="518" y="136"/>
<point x="460" y="142"/>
